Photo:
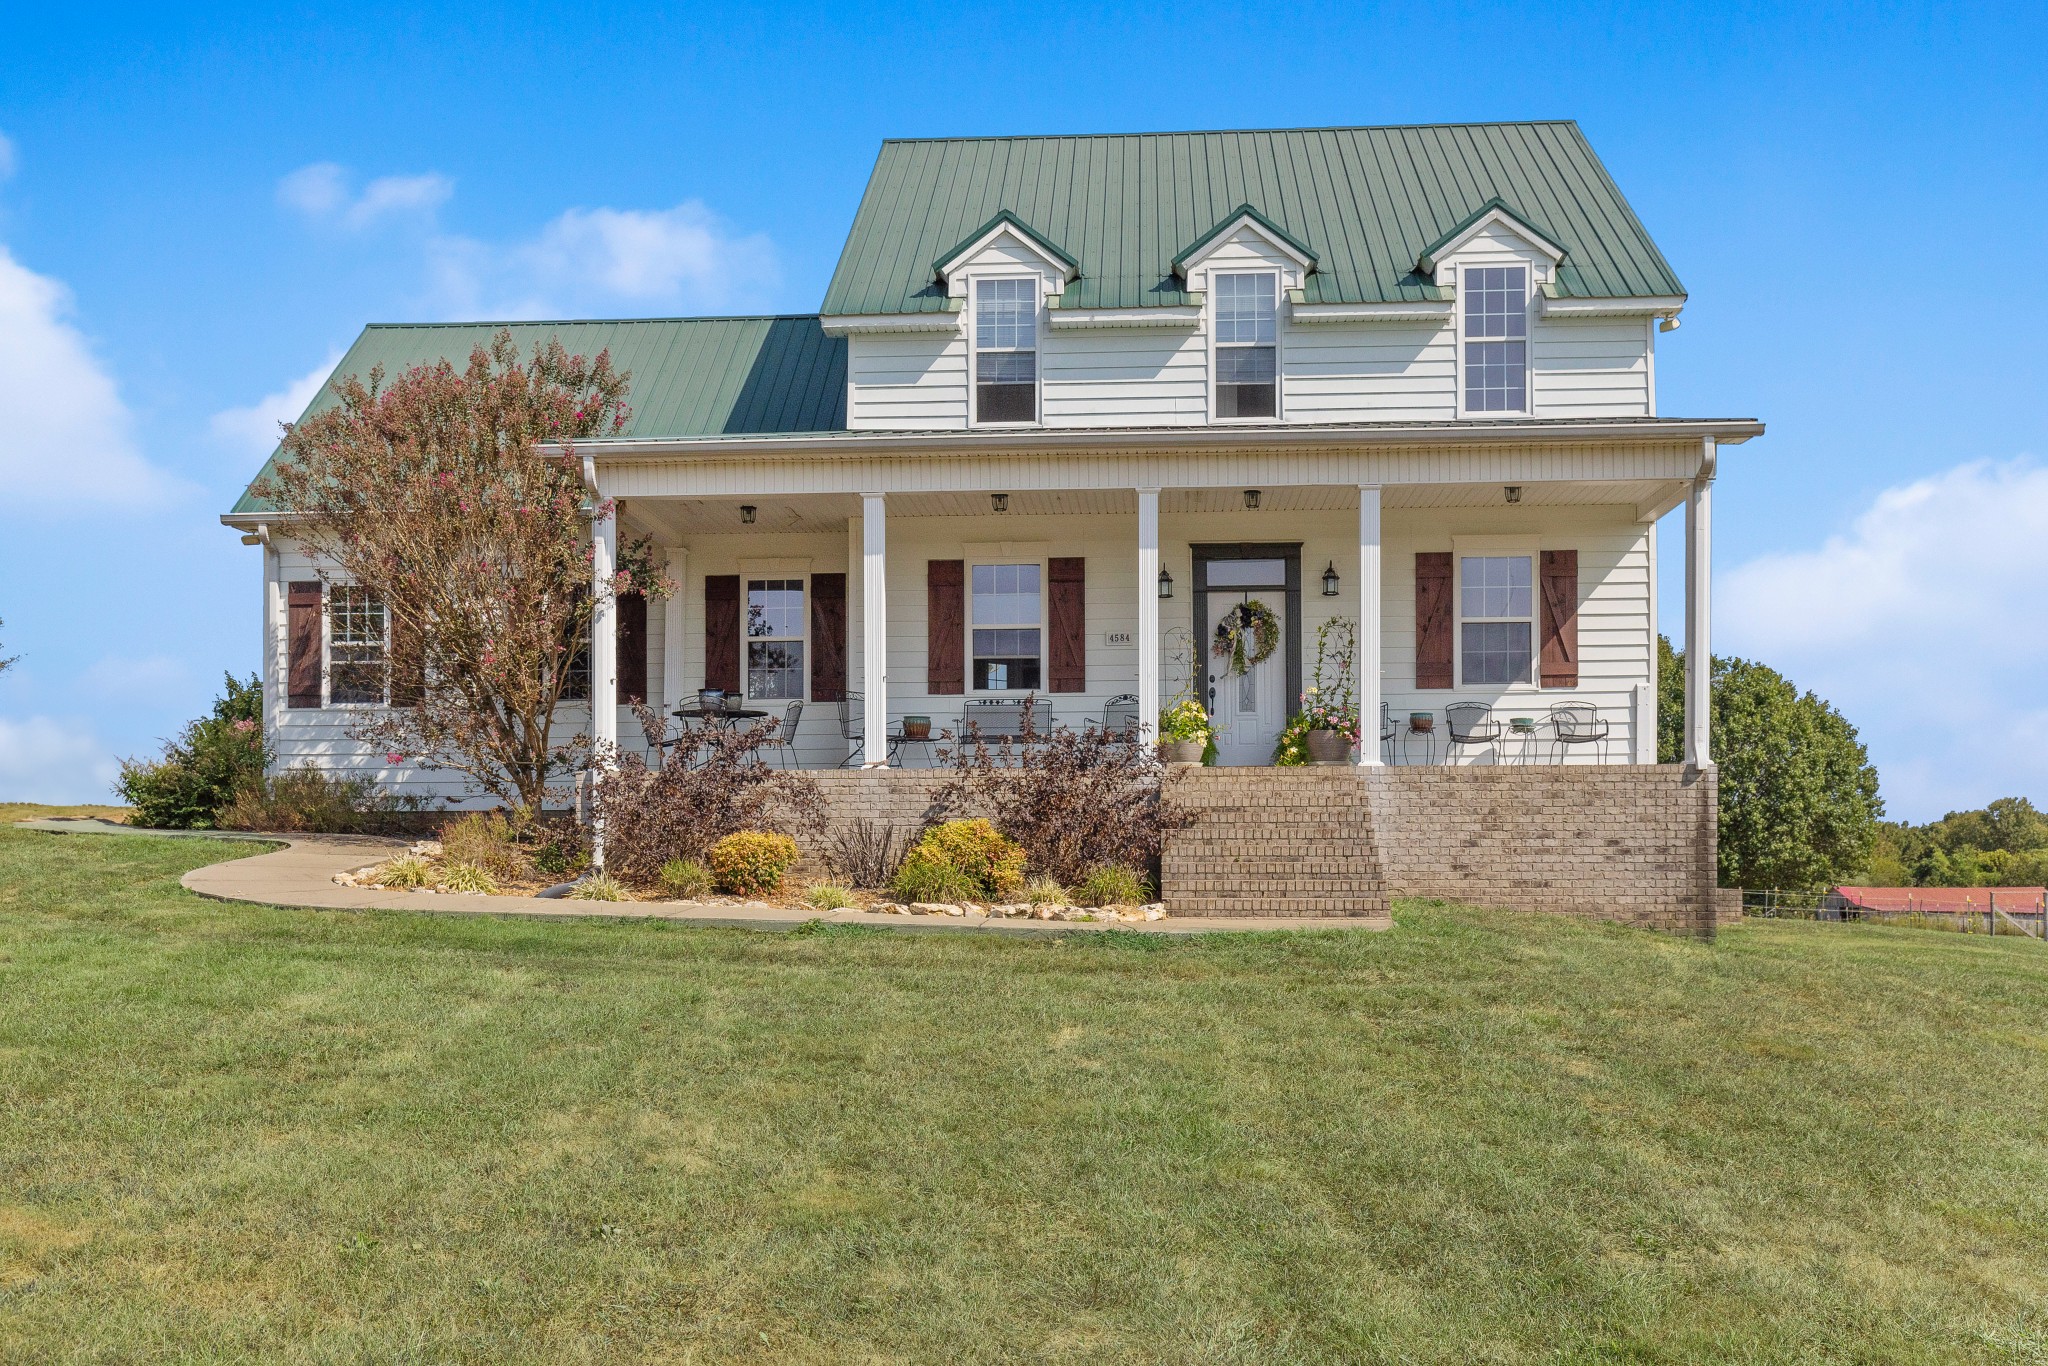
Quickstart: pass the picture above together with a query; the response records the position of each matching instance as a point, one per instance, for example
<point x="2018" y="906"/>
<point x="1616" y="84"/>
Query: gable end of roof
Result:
<point x="1243" y="213"/>
<point x="1495" y="207"/>
<point x="1006" y="219"/>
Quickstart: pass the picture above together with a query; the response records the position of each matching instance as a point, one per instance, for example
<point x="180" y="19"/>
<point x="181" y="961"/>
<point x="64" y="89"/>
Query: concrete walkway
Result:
<point x="301" y="876"/>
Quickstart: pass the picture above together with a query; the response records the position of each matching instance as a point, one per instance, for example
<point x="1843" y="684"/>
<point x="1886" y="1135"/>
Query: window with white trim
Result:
<point x="775" y="638"/>
<point x="1496" y="338"/>
<point x="1006" y="350"/>
<point x="1247" y="346"/>
<point x="1496" y="618"/>
<point x="356" y="653"/>
<point x="1007" y="619"/>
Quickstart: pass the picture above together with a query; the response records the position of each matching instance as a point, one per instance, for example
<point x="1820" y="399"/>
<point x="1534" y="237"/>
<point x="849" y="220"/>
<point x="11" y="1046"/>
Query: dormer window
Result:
<point x="1247" y="351"/>
<point x="1496" y="338"/>
<point x="1006" y="350"/>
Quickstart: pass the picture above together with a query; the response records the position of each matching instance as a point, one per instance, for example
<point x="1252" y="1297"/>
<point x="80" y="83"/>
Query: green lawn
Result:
<point x="233" y="1134"/>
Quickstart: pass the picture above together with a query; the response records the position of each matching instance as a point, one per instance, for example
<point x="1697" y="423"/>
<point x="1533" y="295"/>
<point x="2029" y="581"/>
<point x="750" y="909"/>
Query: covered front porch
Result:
<point x="866" y="601"/>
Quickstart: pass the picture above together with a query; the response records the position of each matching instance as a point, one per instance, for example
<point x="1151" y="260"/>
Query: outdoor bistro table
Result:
<point x="706" y="717"/>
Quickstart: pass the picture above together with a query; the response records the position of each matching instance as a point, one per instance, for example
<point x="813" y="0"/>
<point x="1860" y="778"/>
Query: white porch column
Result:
<point x="1367" y="689"/>
<point x="1699" y="652"/>
<point x="874" y="630"/>
<point x="273" y="643"/>
<point x="673" y="628"/>
<point x="604" y="636"/>
<point x="1148" y="615"/>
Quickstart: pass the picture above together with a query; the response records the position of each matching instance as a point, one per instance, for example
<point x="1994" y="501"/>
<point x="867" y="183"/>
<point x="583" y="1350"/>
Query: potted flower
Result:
<point x="1332" y="724"/>
<point x="1183" y="732"/>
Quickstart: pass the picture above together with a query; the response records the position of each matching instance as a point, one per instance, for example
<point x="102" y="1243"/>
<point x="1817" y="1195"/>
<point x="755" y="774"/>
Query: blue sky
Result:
<point x="199" y="208"/>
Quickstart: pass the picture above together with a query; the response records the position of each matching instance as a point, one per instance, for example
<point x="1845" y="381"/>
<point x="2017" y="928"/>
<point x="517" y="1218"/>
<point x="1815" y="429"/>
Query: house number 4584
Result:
<point x="1119" y="637"/>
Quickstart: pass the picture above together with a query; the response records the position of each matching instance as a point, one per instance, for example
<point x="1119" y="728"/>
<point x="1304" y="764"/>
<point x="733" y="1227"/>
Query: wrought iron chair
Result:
<point x="1470" y="723"/>
<point x="1576" y="723"/>
<point x="1120" y="714"/>
<point x="853" y="727"/>
<point x="1387" y="733"/>
<point x="782" y="743"/>
<point x="996" y="719"/>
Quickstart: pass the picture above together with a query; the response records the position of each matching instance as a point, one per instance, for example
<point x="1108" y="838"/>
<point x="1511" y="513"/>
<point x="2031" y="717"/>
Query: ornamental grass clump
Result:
<point x="752" y="862"/>
<point x="1043" y="891"/>
<point x="992" y="863"/>
<point x="486" y="840"/>
<point x="827" y="897"/>
<point x="925" y="877"/>
<point x="467" y="877"/>
<point x="598" y="887"/>
<point x="403" y="874"/>
<point x="1113" y="885"/>
<point x="685" y="879"/>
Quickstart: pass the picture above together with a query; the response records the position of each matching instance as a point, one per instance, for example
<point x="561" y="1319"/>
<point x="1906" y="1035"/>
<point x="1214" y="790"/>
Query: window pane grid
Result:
<point x="1496" y="607"/>
<point x="1006" y="642"/>
<point x="1006" y="358"/>
<point x="1247" y="353"/>
<point x="355" y="646"/>
<point x="1496" y="328"/>
<point x="775" y="639"/>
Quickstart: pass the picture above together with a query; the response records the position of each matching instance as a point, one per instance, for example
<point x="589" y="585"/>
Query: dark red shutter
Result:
<point x="945" y="583"/>
<point x="722" y="632"/>
<point x="302" y="687"/>
<point x="1560" y="581"/>
<point x="828" y="637"/>
<point x="1068" y="620"/>
<point x="1432" y="618"/>
<point x="408" y="664"/>
<point x="630" y="630"/>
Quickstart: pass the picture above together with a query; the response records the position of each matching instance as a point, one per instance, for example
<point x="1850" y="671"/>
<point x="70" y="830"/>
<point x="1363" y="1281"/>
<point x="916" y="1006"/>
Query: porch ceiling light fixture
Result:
<point x="1513" y="491"/>
<point x="1165" y="583"/>
<point x="999" y="502"/>
<point x="747" y="514"/>
<point x="1251" y="500"/>
<point x="1330" y="580"/>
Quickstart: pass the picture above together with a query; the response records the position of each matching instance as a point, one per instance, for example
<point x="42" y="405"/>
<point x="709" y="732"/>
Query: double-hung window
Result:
<point x="1247" y="349"/>
<point x="1496" y="618"/>
<point x="1008" y="627"/>
<point x="1496" y="338"/>
<point x="1006" y="350"/>
<point x="355" y="646"/>
<point x="775" y="638"/>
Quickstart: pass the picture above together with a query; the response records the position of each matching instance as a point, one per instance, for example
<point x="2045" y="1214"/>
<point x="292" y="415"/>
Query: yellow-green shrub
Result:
<point x="751" y="862"/>
<point x="991" y="861"/>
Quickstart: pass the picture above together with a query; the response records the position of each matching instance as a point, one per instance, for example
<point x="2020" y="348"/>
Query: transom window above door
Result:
<point x="1006" y="350"/>
<point x="775" y="638"/>
<point x="1007" y="615"/>
<point x="1496" y="338"/>
<point x="1247" y="344"/>
<point x="1496" y="618"/>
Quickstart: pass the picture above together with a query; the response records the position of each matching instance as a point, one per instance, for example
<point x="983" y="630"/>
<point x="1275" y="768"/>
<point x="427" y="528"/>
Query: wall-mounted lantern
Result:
<point x="1165" y="583"/>
<point x="1251" y="500"/>
<point x="1330" y="580"/>
<point x="1513" y="491"/>
<point x="999" y="502"/>
<point x="747" y="514"/>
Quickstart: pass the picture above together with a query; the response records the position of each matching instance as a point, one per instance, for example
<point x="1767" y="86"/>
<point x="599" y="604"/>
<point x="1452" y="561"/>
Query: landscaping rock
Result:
<point x="425" y="849"/>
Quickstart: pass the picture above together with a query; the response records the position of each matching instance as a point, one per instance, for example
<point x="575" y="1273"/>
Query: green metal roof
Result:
<point x="688" y="376"/>
<point x="1366" y="201"/>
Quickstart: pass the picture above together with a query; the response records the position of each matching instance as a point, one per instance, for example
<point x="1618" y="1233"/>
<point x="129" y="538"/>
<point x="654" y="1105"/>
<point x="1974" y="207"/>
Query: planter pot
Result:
<point x="1422" y="722"/>
<point x="1328" y="747"/>
<point x="1181" y="751"/>
<point x="1522" y="725"/>
<point x="917" y="727"/>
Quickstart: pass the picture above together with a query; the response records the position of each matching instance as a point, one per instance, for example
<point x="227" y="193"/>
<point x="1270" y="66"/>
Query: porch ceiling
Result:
<point x="670" y="520"/>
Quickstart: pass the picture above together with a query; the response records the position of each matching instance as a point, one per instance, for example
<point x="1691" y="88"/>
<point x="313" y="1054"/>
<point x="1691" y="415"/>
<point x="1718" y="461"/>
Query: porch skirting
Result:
<point x="1633" y="843"/>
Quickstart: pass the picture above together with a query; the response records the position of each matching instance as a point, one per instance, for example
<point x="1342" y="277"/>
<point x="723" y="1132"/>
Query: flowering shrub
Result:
<point x="307" y="800"/>
<point x="200" y="773"/>
<point x="751" y="862"/>
<point x="1291" y="749"/>
<point x="1185" y="723"/>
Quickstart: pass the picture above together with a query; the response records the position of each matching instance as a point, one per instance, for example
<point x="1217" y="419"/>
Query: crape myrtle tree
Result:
<point x="456" y="497"/>
<point x="1799" y="802"/>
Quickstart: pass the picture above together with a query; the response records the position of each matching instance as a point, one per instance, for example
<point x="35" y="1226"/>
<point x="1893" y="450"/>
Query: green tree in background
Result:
<point x="1799" y="803"/>
<point x="199" y="773"/>
<point x="2004" y="844"/>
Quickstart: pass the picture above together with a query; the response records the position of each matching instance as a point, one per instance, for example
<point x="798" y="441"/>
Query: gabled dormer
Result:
<point x="1242" y="267"/>
<point x="1002" y="275"/>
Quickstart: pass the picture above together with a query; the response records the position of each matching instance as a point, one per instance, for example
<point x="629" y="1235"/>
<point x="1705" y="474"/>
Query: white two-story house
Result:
<point x="1070" y="402"/>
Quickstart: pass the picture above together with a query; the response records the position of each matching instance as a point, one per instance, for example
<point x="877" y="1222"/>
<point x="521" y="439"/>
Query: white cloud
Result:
<point x="593" y="259"/>
<point x="67" y="431"/>
<point x="1921" y="622"/>
<point x="322" y="192"/>
<point x="46" y="759"/>
<point x="134" y="682"/>
<point x="254" y="430"/>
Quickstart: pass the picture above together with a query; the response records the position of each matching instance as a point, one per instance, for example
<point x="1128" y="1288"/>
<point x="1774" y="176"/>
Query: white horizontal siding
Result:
<point x="1594" y="367"/>
<point x="1136" y="378"/>
<point x="1377" y="372"/>
<point x="909" y="381"/>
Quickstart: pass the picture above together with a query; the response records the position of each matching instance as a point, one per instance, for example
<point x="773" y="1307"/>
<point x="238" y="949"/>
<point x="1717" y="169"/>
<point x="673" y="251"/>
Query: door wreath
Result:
<point x="1247" y="636"/>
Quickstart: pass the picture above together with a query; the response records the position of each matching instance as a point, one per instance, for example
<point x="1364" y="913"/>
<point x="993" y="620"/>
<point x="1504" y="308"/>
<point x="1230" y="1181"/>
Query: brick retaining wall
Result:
<point x="1633" y="843"/>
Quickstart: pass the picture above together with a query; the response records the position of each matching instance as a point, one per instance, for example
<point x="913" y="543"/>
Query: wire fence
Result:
<point x="1957" y="911"/>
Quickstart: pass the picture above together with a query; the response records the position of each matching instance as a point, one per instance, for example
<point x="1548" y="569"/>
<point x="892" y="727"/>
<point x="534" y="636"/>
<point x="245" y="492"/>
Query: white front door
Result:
<point x="1250" y="708"/>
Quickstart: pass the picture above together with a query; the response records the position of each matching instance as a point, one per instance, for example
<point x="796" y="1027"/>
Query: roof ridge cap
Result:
<point x="1214" y="132"/>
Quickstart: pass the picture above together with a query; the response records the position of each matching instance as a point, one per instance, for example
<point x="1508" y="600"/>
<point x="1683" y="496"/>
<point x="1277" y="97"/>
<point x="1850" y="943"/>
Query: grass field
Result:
<point x="234" y="1134"/>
